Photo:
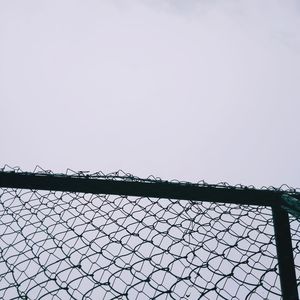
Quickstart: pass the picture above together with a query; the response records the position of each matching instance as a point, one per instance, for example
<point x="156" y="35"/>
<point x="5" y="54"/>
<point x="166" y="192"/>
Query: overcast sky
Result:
<point x="180" y="89"/>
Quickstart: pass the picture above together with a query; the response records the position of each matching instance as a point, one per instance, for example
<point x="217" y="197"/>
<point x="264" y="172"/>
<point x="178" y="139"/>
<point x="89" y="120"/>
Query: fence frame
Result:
<point x="276" y="199"/>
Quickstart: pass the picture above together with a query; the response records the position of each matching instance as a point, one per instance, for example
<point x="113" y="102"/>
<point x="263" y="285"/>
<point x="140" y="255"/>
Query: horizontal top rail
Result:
<point x="141" y="188"/>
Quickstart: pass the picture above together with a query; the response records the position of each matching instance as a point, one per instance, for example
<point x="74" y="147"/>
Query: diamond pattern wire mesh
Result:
<point x="59" y="245"/>
<point x="295" y="229"/>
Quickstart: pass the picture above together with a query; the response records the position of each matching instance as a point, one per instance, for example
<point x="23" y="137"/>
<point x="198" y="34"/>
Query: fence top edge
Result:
<point x="124" y="183"/>
<point x="122" y="176"/>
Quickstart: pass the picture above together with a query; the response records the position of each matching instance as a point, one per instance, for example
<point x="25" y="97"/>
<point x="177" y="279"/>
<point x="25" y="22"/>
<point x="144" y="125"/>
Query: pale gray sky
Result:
<point x="179" y="89"/>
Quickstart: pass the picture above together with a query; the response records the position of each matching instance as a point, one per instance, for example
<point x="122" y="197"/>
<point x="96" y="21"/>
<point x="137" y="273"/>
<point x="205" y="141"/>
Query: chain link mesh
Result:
<point x="60" y="245"/>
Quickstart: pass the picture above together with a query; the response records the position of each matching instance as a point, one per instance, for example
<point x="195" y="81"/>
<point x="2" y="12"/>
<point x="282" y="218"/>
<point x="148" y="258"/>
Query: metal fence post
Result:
<point x="285" y="254"/>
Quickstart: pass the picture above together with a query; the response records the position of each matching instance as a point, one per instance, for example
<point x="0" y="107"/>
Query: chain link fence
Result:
<point x="70" y="245"/>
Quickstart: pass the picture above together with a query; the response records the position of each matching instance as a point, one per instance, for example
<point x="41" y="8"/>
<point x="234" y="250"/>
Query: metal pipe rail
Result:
<point x="141" y="188"/>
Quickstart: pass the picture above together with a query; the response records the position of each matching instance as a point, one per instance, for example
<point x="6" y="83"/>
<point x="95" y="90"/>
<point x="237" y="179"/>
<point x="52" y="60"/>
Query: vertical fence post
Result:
<point x="285" y="254"/>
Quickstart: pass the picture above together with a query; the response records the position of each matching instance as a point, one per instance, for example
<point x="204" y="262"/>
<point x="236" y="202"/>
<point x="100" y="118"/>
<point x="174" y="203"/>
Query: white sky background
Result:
<point x="180" y="89"/>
